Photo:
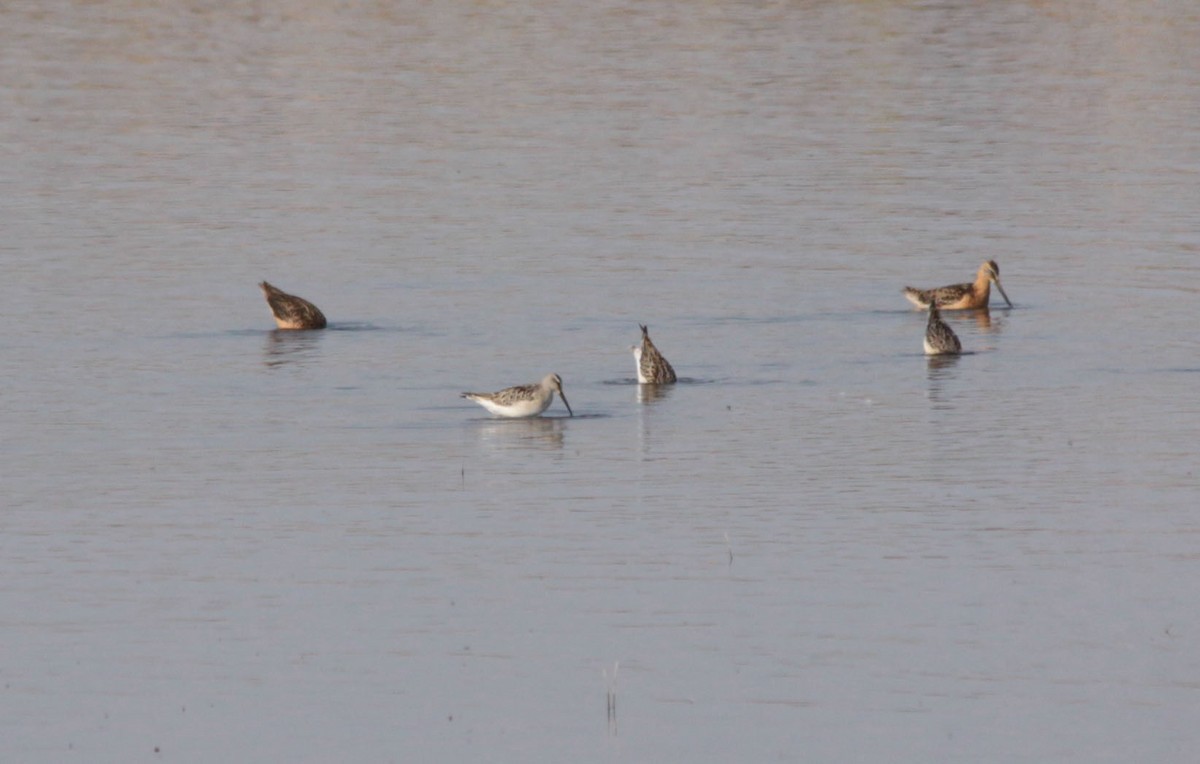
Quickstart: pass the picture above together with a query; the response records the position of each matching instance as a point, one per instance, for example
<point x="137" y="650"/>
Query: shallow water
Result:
<point x="221" y="541"/>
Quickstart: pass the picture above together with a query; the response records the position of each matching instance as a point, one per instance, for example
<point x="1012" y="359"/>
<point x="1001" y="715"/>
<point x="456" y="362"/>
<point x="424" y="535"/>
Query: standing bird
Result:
<point x="652" y="368"/>
<point x="961" y="296"/>
<point x="292" y="312"/>
<point x="940" y="339"/>
<point x="523" y="400"/>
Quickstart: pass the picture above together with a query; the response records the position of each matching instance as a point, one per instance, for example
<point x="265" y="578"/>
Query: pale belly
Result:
<point x="517" y="409"/>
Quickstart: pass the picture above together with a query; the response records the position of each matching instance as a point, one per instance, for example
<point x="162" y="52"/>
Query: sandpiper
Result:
<point x="961" y="296"/>
<point x="652" y="368"/>
<point x="523" y="400"/>
<point x="940" y="339"/>
<point x="290" y="311"/>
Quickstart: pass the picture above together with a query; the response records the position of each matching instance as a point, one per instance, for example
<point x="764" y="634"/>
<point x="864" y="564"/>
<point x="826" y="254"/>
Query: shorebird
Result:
<point x="939" y="337"/>
<point x="961" y="296"/>
<point x="652" y="368"/>
<point x="523" y="400"/>
<point x="290" y="311"/>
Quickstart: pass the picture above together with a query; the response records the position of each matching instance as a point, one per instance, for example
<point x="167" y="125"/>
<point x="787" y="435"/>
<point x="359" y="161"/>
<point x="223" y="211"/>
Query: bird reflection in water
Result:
<point x="290" y="347"/>
<point x="539" y="433"/>
<point x="940" y="369"/>
<point x="653" y="393"/>
<point x="983" y="319"/>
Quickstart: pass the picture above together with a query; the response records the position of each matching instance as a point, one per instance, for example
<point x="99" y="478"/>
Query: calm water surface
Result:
<point x="226" y="543"/>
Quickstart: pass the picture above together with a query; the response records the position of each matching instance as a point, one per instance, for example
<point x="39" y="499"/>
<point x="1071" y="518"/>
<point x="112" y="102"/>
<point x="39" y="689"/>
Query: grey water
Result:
<point x="221" y="542"/>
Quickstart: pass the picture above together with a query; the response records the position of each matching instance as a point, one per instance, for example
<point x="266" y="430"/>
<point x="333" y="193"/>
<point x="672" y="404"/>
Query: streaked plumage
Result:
<point x="961" y="296"/>
<point x="652" y="368"/>
<point x="523" y="400"/>
<point x="940" y="339"/>
<point x="290" y="311"/>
